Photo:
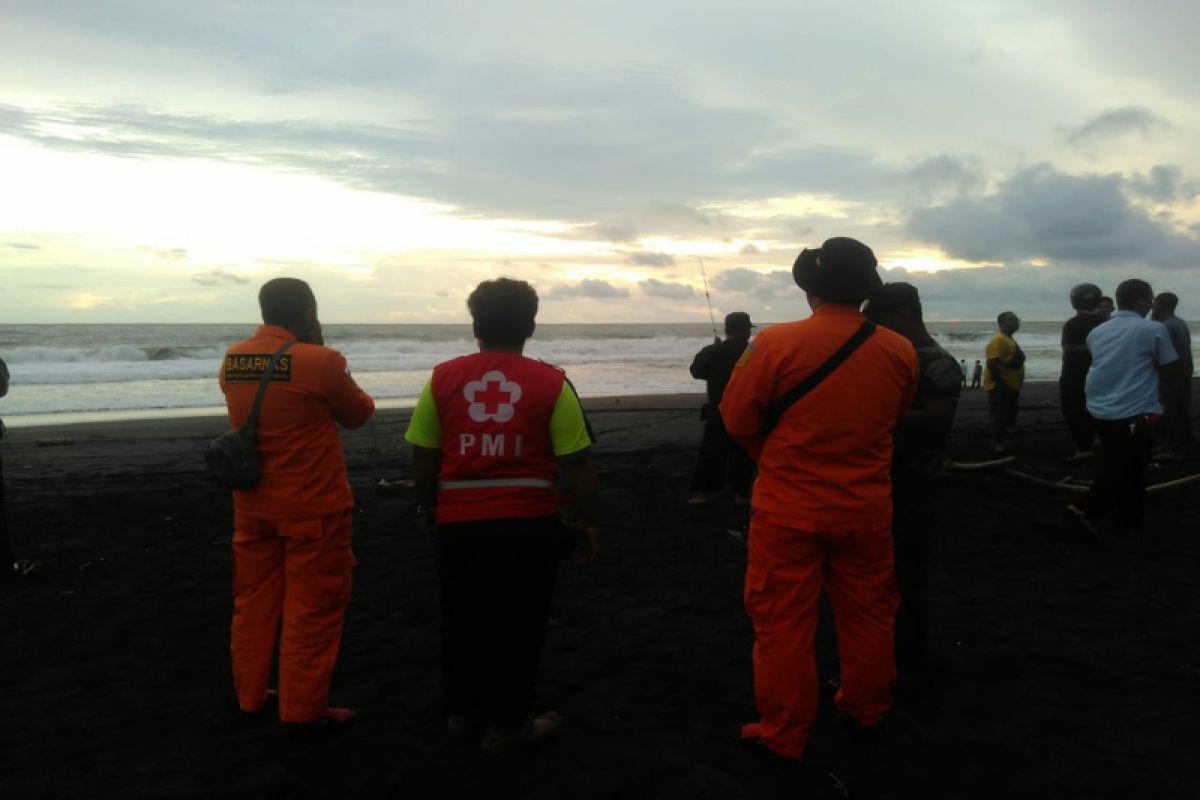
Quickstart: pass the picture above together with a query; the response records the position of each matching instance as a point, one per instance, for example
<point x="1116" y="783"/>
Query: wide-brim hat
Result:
<point x="842" y="270"/>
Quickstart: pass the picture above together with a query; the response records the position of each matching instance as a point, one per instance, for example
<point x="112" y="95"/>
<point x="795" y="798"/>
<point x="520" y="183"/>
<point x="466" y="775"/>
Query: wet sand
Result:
<point x="1065" y="669"/>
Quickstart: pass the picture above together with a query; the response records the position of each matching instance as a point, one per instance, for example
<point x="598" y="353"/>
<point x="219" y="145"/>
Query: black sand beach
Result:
<point x="1067" y="669"/>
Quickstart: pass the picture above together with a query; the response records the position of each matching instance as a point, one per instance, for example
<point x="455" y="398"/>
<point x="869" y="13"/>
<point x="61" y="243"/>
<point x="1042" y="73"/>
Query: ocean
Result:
<point x="69" y="373"/>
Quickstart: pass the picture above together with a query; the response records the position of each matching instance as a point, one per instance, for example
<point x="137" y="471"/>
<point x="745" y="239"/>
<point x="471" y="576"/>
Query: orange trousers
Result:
<point x="786" y="570"/>
<point x="298" y="570"/>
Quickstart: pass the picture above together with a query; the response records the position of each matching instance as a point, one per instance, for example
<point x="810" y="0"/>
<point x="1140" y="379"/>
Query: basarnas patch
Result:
<point x="250" y="367"/>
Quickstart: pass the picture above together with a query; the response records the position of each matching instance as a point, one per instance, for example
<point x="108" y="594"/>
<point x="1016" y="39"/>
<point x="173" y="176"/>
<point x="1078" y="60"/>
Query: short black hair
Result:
<point x="1131" y="292"/>
<point x="502" y="311"/>
<point x="284" y="302"/>
<point x="896" y="296"/>
<point x="1000" y="317"/>
<point x="1167" y="301"/>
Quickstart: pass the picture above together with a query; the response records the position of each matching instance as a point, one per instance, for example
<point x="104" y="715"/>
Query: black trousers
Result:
<point x="914" y="519"/>
<point x="496" y="579"/>
<point x="1120" y="484"/>
<point x="1175" y="392"/>
<point x="1074" y="410"/>
<point x="1002" y="410"/>
<point x="721" y="459"/>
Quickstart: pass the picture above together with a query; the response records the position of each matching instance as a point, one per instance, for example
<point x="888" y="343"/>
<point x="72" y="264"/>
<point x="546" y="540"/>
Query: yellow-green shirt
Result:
<point x="1003" y="347"/>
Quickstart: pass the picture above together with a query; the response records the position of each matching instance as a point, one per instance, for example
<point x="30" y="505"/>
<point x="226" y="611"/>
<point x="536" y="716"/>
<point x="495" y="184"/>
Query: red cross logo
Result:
<point x="492" y="397"/>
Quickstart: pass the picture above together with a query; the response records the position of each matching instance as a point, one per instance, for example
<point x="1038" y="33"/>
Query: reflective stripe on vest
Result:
<point x="491" y="483"/>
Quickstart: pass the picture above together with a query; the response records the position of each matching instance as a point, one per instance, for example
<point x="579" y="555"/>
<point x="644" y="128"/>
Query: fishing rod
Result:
<point x="711" y="317"/>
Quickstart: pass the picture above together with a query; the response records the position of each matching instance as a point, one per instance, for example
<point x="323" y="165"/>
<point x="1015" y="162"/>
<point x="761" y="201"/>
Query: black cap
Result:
<point x="841" y="270"/>
<point x="891" y="296"/>
<point x="738" y="321"/>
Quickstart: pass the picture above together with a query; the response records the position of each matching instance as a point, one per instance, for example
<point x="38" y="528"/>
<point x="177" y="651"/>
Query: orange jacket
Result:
<point x="303" y="468"/>
<point x="827" y="460"/>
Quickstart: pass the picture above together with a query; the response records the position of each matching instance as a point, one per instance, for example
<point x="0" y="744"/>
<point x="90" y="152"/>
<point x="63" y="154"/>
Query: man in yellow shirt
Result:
<point x="1003" y="378"/>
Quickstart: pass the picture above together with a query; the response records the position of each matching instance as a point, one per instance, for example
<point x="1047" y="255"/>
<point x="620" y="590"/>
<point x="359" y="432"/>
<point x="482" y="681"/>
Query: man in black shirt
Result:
<point x="918" y="450"/>
<point x="1076" y="360"/>
<point x="720" y="456"/>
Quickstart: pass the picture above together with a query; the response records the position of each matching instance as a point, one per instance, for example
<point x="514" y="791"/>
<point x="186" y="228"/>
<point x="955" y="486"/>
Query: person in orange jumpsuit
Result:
<point x="822" y="505"/>
<point x="291" y="537"/>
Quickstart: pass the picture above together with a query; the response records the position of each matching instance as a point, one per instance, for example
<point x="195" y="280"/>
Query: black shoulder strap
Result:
<point x="775" y="411"/>
<point x="252" y="421"/>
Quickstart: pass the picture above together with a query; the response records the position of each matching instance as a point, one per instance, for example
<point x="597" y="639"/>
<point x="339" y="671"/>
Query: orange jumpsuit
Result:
<point x="821" y="515"/>
<point x="291" y="539"/>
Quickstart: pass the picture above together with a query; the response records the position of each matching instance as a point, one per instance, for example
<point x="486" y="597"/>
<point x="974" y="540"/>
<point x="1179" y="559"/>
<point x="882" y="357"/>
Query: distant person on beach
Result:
<point x="822" y="503"/>
<point x="918" y="450"/>
<point x="1105" y="308"/>
<point x="721" y="459"/>
<point x="1003" y="378"/>
<point x="291" y="538"/>
<point x="977" y="375"/>
<point x="1128" y="355"/>
<point x="8" y="562"/>
<point x="962" y="367"/>
<point x="493" y="434"/>
<point x="1085" y="297"/>
<point x="1175" y="389"/>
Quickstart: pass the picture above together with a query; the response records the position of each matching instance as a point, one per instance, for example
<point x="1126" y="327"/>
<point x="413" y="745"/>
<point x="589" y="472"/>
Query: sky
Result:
<point x="161" y="159"/>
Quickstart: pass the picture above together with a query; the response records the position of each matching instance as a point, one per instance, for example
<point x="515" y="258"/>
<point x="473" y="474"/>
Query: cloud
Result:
<point x="494" y="154"/>
<point x="86" y="301"/>
<point x="1164" y="184"/>
<point x="219" y="277"/>
<point x="763" y="286"/>
<point x="749" y="249"/>
<point x="590" y="288"/>
<point x="671" y="291"/>
<point x="172" y="254"/>
<point x="1117" y="122"/>
<point x="1034" y="293"/>
<point x="22" y="246"/>
<point x="1041" y="213"/>
<point x="945" y="173"/>
<point x="650" y="259"/>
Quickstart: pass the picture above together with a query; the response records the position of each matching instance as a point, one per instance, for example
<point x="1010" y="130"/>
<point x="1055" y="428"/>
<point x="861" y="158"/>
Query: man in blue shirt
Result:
<point x="1128" y="352"/>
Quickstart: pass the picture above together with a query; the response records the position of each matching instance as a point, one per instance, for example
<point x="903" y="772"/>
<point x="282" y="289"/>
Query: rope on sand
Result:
<point x="960" y="466"/>
<point x="1171" y="484"/>
<point x="1072" y="485"/>
<point x="1063" y="483"/>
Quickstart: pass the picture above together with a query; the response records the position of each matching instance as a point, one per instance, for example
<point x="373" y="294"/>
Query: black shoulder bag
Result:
<point x="232" y="457"/>
<point x="774" y="412"/>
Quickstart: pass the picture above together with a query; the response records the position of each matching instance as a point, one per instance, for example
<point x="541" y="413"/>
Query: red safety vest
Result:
<point x="497" y="458"/>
